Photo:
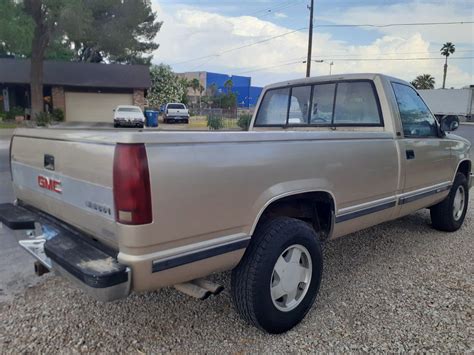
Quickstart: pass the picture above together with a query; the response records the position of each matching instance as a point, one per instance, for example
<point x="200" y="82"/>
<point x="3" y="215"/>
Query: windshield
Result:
<point x="129" y="109"/>
<point x="176" y="106"/>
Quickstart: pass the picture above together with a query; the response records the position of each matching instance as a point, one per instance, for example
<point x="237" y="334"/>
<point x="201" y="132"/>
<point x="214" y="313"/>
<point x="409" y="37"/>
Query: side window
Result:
<point x="417" y="120"/>
<point x="322" y="104"/>
<point x="356" y="105"/>
<point x="274" y="108"/>
<point x="299" y="105"/>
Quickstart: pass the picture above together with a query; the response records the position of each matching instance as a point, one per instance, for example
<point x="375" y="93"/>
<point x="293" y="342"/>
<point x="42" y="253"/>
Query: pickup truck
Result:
<point x="175" y="112"/>
<point x="132" y="211"/>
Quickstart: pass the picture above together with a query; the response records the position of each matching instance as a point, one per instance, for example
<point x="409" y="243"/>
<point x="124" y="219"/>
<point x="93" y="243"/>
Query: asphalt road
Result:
<point x="16" y="266"/>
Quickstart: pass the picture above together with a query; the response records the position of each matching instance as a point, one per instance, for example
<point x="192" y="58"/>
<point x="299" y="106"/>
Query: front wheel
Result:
<point x="277" y="280"/>
<point x="449" y="214"/>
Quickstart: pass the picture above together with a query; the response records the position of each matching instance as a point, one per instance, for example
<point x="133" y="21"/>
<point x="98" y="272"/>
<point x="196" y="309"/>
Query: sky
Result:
<point x="267" y="39"/>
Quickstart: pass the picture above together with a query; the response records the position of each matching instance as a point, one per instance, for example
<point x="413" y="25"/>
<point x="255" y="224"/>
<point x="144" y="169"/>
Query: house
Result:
<point x="84" y="91"/>
<point x="247" y="95"/>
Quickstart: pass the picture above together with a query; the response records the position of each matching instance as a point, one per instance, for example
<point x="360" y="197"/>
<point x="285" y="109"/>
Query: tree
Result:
<point x="197" y="88"/>
<point x="120" y="31"/>
<point x="424" y="82"/>
<point x="16" y="30"/>
<point x="447" y="49"/>
<point x="229" y="85"/>
<point x="165" y="86"/>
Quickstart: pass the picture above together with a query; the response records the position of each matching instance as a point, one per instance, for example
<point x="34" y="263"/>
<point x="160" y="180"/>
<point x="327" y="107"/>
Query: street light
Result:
<point x="323" y="61"/>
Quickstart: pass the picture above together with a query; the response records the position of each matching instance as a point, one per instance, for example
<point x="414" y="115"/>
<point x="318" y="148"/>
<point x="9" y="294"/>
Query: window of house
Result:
<point x="356" y="104"/>
<point x="417" y="120"/>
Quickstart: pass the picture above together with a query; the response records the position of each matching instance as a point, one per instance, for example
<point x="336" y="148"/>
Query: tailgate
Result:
<point x="69" y="180"/>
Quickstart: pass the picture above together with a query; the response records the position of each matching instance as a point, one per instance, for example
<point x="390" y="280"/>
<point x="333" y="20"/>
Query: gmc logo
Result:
<point x="49" y="184"/>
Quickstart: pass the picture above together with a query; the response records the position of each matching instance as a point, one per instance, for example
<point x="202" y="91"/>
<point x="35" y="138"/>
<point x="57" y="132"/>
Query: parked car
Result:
<point x="137" y="211"/>
<point x="128" y="116"/>
<point x="176" y="112"/>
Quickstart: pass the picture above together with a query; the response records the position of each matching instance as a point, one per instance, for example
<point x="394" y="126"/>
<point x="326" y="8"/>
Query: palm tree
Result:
<point x="424" y="82"/>
<point x="195" y="84"/>
<point x="447" y="50"/>
<point x="229" y="84"/>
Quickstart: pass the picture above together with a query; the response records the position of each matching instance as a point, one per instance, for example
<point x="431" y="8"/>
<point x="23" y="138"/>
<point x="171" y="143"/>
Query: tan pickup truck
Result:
<point x="136" y="210"/>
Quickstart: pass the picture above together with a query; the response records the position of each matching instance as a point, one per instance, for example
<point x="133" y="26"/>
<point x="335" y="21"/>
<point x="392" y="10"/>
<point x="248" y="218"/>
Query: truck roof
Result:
<point x="337" y="77"/>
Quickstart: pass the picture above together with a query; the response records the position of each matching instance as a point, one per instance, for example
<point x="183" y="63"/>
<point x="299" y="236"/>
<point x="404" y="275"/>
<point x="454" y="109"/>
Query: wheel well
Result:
<point x="465" y="168"/>
<point x="315" y="208"/>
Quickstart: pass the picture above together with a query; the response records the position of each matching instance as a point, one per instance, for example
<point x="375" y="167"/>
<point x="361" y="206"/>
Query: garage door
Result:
<point x="94" y="107"/>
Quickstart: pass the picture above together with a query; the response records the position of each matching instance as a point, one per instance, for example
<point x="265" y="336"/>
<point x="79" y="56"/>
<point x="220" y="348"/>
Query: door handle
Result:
<point x="410" y="154"/>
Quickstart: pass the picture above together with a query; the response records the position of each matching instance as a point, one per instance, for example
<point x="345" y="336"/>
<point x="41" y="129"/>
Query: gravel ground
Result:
<point x="400" y="286"/>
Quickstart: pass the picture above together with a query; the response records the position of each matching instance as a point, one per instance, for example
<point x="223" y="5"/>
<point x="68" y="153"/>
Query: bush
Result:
<point x="15" y="111"/>
<point x="57" y="115"/>
<point x="215" y="122"/>
<point x="244" y="122"/>
<point x="3" y="116"/>
<point x="43" y="119"/>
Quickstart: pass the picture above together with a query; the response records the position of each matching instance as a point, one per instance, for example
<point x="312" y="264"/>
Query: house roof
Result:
<point x="17" y="71"/>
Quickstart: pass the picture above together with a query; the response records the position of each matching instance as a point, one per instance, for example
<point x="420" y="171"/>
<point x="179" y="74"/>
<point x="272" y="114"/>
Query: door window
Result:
<point x="417" y="120"/>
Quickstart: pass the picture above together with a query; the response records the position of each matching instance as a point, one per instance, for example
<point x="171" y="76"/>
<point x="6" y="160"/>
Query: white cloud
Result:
<point x="190" y="33"/>
<point x="280" y="15"/>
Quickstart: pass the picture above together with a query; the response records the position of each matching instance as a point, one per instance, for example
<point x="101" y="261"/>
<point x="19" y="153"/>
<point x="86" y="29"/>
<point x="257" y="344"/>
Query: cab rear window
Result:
<point x="176" y="107"/>
<point x="344" y="103"/>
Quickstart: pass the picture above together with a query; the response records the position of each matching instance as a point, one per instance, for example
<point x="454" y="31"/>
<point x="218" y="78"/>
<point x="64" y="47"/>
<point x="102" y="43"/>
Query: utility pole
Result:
<point x="310" y="40"/>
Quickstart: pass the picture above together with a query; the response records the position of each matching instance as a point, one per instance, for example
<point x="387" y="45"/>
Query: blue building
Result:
<point x="247" y="95"/>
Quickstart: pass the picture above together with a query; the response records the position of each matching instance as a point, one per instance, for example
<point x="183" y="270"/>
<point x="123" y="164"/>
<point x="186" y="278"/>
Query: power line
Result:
<point x="399" y="24"/>
<point x="305" y="28"/>
<point x="302" y="61"/>
<point x="243" y="46"/>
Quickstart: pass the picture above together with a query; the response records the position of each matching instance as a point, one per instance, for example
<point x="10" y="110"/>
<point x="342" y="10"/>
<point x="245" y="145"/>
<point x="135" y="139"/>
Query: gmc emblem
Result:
<point x="49" y="184"/>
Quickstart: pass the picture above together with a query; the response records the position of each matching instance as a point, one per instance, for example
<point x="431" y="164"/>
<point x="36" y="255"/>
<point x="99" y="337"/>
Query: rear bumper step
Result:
<point x="16" y="218"/>
<point x="85" y="262"/>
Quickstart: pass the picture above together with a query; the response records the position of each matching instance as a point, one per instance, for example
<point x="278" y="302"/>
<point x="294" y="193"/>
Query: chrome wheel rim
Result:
<point x="459" y="202"/>
<point x="291" y="278"/>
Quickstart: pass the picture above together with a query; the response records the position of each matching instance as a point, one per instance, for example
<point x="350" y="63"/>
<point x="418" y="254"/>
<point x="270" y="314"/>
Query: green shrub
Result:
<point x="57" y="115"/>
<point x="3" y="116"/>
<point x="244" y="122"/>
<point x="43" y="119"/>
<point x="15" y="111"/>
<point x="215" y="122"/>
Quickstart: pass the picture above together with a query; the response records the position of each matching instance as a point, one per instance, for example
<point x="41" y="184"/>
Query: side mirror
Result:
<point x="449" y="123"/>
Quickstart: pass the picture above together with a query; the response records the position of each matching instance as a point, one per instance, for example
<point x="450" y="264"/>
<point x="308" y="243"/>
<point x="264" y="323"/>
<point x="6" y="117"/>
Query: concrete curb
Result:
<point x="467" y="123"/>
<point x="6" y="132"/>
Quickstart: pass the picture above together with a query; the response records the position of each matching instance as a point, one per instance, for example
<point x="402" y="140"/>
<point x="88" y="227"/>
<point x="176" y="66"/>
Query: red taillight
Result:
<point x="132" y="193"/>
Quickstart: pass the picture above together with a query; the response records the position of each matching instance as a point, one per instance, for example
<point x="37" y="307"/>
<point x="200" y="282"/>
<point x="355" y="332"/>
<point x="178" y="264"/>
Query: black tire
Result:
<point x="186" y="121"/>
<point x="442" y="216"/>
<point x="251" y="279"/>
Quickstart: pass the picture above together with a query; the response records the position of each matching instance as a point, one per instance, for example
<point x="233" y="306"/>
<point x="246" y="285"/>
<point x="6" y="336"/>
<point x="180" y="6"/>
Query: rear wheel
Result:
<point x="449" y="214"/>
<point x="277" y="281"/>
